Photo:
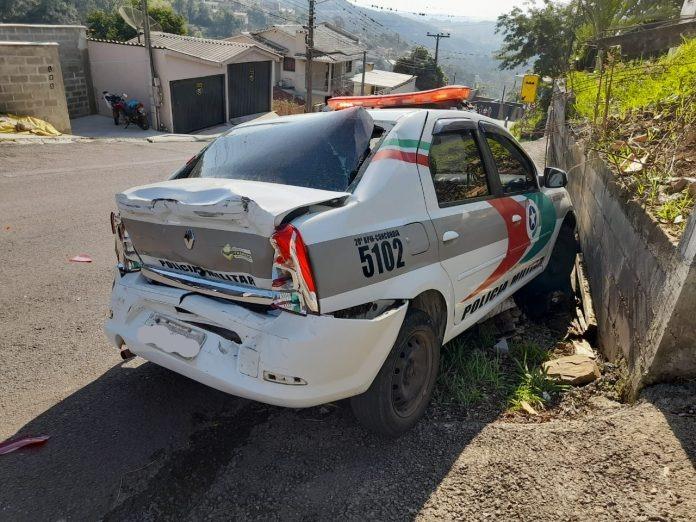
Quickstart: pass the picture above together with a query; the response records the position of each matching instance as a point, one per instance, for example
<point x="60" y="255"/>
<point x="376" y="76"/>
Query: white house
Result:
<point x="335" y="56"/>
<point x="203" y="82"/>
<point x="383" y="82"/>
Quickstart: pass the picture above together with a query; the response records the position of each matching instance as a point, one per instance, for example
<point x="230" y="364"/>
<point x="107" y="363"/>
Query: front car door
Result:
<point x="459" y="191"/>
<point x="528" y="213"/>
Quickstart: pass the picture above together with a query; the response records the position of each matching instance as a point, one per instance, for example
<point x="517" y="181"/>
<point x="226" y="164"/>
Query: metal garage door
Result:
<point x="250" y="88"/>
<point x="198" y="103"/>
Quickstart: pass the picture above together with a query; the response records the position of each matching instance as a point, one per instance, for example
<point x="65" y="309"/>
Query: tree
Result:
<point x="110" y="24"/>
<point x="420" y="63"/>
<point x="224" y="24"/>
<point x="541" y="35"/>
<point x="39" y="11"/>
<point x="257" y="19"/>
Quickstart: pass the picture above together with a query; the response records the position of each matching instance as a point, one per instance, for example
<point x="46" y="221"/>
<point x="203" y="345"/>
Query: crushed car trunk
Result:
<point x="214" y="228"/>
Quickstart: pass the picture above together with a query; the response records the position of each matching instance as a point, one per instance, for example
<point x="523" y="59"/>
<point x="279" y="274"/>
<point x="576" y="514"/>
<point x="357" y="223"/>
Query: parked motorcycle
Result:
<point x="132" y="110"/>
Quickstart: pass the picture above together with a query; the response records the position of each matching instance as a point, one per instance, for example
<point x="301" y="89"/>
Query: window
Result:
<point x="516" y="173"/>
<point x="323" y="151"/>
<point x="457" y="168"/>
<point x="288" y="64"/>
<point x="349" y="66"/>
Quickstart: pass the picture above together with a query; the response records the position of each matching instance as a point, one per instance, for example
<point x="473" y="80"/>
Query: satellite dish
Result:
<point x="134" y="17"/>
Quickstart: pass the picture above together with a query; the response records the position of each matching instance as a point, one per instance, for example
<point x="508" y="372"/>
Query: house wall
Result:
<point x="409" y="86"/>
<point x="119" y="68"/>
<point x="125" y="68"/>
<point x="74" y="59"/>
<point x="31" y="82"/>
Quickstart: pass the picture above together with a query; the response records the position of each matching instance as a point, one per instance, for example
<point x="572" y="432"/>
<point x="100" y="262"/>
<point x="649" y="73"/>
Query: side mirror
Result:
<point x="555" y="178"/>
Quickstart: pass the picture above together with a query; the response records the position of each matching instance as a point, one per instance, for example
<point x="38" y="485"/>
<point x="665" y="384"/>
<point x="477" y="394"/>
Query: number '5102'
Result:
<point x="383" y="255"/>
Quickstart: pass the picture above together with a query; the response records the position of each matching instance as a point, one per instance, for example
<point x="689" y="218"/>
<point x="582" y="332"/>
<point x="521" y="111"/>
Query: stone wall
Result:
<point x="31" y="82"/>
<point x="74" y="60"/>
<point x="643" y="285"/>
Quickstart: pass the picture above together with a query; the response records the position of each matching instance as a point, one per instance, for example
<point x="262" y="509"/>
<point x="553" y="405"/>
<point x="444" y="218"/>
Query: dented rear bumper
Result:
<point x="330" y="358"/>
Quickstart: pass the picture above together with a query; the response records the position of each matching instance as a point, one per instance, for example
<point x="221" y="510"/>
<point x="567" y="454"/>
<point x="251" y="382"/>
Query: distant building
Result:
<point x="336" y="51"/>
<point x="383" y="82"/>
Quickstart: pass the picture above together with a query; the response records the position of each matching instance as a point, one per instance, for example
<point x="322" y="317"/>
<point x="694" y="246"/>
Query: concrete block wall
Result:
<point x="74" y="59"/>
<point x="642" y="284"/>
<point x="31" y="82"/>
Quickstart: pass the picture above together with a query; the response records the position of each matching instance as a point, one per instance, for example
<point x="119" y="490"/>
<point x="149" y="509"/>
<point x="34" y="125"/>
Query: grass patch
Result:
<point x="472" y="374"/>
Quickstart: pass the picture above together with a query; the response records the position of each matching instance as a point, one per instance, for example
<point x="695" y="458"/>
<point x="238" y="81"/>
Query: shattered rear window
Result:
<point x="323" y="151"/>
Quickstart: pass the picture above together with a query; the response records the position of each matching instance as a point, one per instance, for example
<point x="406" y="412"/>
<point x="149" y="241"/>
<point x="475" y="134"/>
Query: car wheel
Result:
<point x="535" y="297"/>
<point x="401" y="392"/>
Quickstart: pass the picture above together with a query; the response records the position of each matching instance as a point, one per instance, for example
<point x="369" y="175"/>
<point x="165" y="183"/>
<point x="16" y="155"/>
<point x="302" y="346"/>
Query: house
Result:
<point x="335" y="54"/>
<point x="202" y="82"/>
<point x="378" y="81"/>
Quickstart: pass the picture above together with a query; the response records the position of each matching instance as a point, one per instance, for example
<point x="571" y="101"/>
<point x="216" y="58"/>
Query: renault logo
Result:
<point x="189" y="239"/>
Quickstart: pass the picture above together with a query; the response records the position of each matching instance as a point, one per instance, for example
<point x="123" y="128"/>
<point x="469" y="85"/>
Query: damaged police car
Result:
<point x="318" y="257"/>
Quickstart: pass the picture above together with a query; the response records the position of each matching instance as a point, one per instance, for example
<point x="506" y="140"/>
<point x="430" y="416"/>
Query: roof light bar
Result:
<point x="453" y="93"/>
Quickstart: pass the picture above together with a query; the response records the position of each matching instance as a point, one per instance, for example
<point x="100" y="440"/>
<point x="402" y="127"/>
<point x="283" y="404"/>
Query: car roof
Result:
<point x="386" y="115"/>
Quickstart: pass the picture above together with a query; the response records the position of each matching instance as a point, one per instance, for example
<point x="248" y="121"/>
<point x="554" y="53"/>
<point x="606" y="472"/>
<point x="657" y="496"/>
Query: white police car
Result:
<point x="317" y="257"/>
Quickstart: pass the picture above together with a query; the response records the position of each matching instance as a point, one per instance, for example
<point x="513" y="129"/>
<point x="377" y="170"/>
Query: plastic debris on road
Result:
<point x="82" y="258"/>
<point x="13" y="445"/>
<point x="13" y="124"/>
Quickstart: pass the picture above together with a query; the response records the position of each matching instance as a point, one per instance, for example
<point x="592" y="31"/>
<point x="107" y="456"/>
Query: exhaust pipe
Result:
<point x="126" y="354"/>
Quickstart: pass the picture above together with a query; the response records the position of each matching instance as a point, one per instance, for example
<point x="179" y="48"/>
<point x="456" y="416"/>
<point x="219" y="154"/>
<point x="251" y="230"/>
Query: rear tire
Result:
<point x="535" y="297"/>
<point x="401" y="392"/>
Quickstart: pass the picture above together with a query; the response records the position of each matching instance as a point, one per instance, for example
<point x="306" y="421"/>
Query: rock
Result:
<point x="528" y="408"/>
<point x="582" y="347"/>
<point x="692" y="189"/>
<point x="603" y="403"/>
<point x="573" y="369"/>
<point x="677" y="185"/>
<point x="501" y="347"/>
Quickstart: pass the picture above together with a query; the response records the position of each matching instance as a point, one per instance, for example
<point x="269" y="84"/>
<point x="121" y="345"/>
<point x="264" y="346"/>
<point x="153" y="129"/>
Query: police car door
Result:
<point x="471" y="234"/>
<point x="528" y="213"/>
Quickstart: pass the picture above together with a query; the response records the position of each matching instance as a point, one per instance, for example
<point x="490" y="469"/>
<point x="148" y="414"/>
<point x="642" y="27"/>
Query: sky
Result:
<point x="479" y="9"/>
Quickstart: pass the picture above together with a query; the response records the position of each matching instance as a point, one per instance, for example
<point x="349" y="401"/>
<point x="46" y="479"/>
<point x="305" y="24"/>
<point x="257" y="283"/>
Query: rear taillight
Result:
<point x="128" y="259"/>
<point x="292" y="269"/>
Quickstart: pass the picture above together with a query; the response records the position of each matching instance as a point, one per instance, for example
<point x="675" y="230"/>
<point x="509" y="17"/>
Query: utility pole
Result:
<point x="502" y="105"/>
<point x="437" y="37"/>
<point x="309" y="53"/>
<point x="362" y="84"/>
<point x="154" y="81"/>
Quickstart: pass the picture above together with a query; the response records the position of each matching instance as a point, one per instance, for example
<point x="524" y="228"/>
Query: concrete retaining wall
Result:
<point x="74" y="60"/>
<point x="31" y="83"/>
<point x="642" y="284"/>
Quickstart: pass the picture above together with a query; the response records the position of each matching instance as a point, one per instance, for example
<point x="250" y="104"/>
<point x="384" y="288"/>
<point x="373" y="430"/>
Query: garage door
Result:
<point x="198" y="103"/>
<point x="250" y="88"/>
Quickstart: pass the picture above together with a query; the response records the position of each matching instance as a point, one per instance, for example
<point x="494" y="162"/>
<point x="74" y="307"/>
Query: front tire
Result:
<point x="401" y="392"/>
<point x="142" y="122"/>
<point x="535" y="297"/>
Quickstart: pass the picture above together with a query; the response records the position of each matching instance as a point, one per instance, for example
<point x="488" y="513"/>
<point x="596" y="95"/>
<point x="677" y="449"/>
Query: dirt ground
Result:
<point x="132" y="441"/>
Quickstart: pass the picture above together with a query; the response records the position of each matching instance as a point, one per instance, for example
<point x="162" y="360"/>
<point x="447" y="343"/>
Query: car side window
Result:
<point x="457" y="168"/>
<point x="516" y="174"/>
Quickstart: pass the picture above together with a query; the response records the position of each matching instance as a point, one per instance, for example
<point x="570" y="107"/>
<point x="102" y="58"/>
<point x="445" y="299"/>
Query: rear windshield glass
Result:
<point x="322" y="150"/>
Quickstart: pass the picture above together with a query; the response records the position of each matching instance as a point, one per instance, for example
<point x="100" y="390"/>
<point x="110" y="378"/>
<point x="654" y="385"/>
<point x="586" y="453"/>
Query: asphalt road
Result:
<point x="134" y="441"/>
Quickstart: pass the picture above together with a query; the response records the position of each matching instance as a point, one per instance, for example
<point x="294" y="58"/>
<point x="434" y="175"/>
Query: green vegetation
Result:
<point x="110" y="24"/>
<point x="641" y="116"/>
<point x="638" y="84"/>
<point x="548" y="35"/>
<point x="471" y="373"/>
<point x="421" y="63"/>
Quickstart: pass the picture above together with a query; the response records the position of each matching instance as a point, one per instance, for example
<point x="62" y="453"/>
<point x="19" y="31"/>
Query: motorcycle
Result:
<point x="132" y="110"/>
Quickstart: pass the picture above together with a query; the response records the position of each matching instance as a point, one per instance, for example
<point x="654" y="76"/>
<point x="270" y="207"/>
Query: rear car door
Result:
<point x="528" y="214"/>
<point x="471" y="235"/>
